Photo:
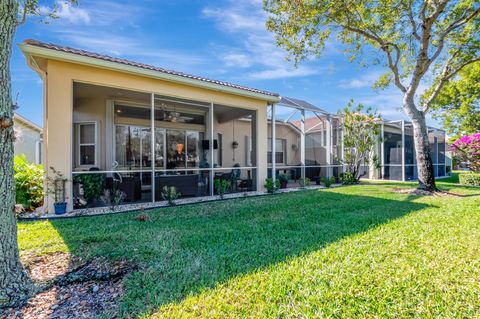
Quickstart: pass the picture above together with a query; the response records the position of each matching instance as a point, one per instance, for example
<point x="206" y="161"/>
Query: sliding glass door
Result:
<point x="133" y="151"/>
<point x="160" y="156"/>
<point x="176" y="152"/>
<point x="182" y="149"/>
<point x="132" y="147"/>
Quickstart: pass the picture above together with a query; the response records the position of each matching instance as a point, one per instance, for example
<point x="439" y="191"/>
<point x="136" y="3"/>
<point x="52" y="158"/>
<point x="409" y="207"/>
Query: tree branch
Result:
<point x="423" y="61"/>
<point x="413" y="23"/>
<point x="461" y="21"/>
<point x="385" y="46"/>
<point x="447" y="74"/>
<point x="24" y="14"/>
<point x="454" y="25"/>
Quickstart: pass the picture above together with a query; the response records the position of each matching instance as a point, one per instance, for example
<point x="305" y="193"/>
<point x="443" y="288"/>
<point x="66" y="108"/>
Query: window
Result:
<point x="132" y="147"/>
<point x="280" y="154"/>
<point x="87" y="144"/>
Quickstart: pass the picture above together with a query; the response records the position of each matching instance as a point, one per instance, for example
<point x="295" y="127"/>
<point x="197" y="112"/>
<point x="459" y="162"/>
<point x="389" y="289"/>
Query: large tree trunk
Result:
<point x="426" y="175"/>
<point x="15" y="285"/>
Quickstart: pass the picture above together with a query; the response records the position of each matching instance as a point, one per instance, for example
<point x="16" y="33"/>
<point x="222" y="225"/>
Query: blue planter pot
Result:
<point x="60" y="208"/>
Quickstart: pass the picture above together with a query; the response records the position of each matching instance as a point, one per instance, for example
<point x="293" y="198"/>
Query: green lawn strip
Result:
<point x="303" y="253"/>
<point x="426" y="264"/>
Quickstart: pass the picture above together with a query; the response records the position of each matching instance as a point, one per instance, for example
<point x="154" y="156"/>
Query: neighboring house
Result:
<point x="139" y="128"/>
<point x="28" y="139"/>
<point x="448" y="157"/>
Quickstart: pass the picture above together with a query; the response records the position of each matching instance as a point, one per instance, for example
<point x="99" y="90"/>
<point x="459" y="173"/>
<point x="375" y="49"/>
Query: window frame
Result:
<point x="79" y="144"/>
<point x="284" y="151"/>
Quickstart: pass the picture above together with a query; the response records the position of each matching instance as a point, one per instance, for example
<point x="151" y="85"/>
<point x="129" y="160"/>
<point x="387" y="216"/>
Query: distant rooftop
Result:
<point x="27" y="122"/>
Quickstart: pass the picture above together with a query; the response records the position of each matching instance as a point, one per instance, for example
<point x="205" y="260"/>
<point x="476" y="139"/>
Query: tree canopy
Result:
<point x="458" y="104"/>
<point x="361" y="132"/>
<point x="412" y="35"/>
<point x="417" y="41"/>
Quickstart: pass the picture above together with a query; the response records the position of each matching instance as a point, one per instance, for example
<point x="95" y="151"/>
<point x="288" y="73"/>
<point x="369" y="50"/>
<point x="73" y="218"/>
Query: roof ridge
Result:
<point x="109" y="58"/>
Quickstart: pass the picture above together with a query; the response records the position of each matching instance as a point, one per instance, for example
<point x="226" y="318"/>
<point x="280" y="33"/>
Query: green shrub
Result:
<point x="170" y="194"/>
<point x="221" y="186"/>
<point x="92" y="185"/>
<point x="270" y="186"/>
<point x="283" y="178"/>
<point x="348" y="178"/>
<point x="304" y="182"/>
<point x="328" y="181"/>
<point x="28" y="183"/>
<point x="472" y="179"/>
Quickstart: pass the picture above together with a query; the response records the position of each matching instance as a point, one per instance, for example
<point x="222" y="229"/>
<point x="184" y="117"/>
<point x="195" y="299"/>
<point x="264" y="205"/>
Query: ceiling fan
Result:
<point x="174" y="116"/>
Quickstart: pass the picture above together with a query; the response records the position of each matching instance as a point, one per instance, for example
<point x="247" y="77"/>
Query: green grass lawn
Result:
<point x="361" y="251"/>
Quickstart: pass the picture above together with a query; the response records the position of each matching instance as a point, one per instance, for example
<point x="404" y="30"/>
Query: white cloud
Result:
<point x="256" y="49"/>
<point x="388" y="103"/>
<point x="72" y="13"/>
<point x="234" y="19"/>
<point x="94" y="13"/>
<point x="241" y="60"/>
<point x="365" y="80"/>
<point x="280" y="73"/>
<point x="136" y="48"/>
<point x="67" y="12"/>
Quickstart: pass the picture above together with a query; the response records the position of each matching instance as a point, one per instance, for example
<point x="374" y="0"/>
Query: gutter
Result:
<point x="32" y="50"/>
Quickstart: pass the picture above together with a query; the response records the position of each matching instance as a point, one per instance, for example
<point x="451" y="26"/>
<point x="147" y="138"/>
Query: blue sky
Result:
<point x="224" y="40"/>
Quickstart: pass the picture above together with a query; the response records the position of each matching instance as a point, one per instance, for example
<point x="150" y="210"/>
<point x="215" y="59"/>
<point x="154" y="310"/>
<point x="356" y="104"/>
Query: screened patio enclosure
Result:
<point x="309" y="145"/>
<point x="129" y="145"/>
<point x="398" y="158"/>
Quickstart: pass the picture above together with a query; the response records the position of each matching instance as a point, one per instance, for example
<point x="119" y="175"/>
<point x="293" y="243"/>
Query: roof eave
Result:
<point x="27" y="122"/>
<point x="32" y="50"/>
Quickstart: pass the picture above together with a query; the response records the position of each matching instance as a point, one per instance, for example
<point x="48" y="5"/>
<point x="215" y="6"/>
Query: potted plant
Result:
<point x="270" y="186"/>
<point x="221" y="186"/>
<point x="56" y="187"/>
<point x="283" y="179"/>
<point x="170" y="194"/>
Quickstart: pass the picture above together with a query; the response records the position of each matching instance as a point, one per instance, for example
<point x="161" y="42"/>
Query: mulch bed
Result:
<point x="72" y="288"/>
<point x="419" y="192"/>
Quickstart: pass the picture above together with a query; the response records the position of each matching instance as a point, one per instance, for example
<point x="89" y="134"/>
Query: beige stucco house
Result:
<point x="133" y="129"/>
<point x="28" y="139"/>
<point x="100" y="112"/>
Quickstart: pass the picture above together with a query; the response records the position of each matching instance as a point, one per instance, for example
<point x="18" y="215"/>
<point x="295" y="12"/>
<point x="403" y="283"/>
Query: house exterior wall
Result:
<point x="59" y="117"/>
<point x="27" y="141"/>
<point x="92" y="110"/>
<point x="292" y="137"/>
<point x="243" y="131"/>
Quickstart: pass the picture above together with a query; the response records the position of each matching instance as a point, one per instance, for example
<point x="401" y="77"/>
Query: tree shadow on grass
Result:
<point x="443" y="185"/>
<point x="183" y="250"/>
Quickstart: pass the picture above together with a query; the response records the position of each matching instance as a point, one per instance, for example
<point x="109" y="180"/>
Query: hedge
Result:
<point x="472" y="179"/>
<point x="28" y="183"/>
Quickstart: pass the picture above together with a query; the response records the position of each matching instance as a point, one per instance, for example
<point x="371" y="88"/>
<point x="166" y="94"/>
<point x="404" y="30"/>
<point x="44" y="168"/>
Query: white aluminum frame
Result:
<point x="79" y="144"/>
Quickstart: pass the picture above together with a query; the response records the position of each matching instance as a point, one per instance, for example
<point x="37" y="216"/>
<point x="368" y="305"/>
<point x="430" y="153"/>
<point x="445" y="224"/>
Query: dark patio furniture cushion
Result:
<point x="186" y="185"/>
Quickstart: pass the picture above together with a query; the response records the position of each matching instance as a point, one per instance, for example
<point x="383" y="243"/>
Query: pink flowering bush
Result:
<point x="467" y="149"/>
